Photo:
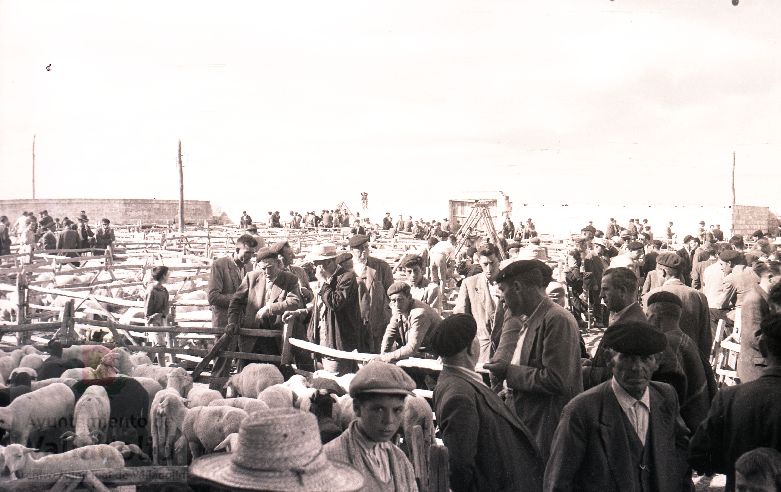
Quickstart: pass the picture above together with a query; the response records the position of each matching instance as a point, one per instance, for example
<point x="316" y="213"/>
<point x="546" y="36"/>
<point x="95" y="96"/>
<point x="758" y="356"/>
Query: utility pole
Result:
<point x="33" y="166"/>
<point x="733" y="179"/>
<point x="181" y="191"/>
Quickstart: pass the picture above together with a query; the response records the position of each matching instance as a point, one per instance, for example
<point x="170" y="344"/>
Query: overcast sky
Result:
<point x="302" y="104"/>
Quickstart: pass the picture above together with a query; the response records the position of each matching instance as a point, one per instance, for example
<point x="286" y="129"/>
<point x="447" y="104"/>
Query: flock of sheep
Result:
<point x="119" y="409"/>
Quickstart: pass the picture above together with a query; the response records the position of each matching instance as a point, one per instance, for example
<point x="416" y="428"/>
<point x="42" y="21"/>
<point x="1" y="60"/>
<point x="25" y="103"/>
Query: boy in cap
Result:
<point x="626" y="433"/>
<point x="422" y="288"/>
<point x="104" y="237"/>
<point x="489" y="448"/>
<point x="409" y="327"/>
<point x="378" y="392"/>
<point x="374" y="276"/>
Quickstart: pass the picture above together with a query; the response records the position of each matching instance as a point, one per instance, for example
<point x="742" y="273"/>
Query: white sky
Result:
<point x="303" y="104"/>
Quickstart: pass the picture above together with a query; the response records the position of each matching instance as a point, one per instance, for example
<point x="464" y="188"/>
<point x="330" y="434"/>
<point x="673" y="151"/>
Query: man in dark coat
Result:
<point x="69" y="239"/>
<point x="744" y="416"/>
<point x="538" y="356"/>
<point x="259" y="303"/>
<point x="498" y="451"/>
<point x="755" y="307"/>
<point x="619" y="290"/>
<point x="695" y="317"/>
<point x="226" y="276"/>
<point x="374" y="277"/>
<point x="625" y="434"/>
<point x="690" y="245"/>
<point x="681" y="365"/>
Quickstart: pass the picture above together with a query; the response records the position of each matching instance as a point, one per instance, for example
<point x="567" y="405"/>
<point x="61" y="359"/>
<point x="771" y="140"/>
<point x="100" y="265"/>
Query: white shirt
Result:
<point x="637" y="411"/>
<point x="443" y="247"/>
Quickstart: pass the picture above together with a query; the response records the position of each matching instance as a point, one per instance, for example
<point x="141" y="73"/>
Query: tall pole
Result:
<point x="33" y="166"/>
<point x="733" y="179"/>
<point x="181" y="191"/>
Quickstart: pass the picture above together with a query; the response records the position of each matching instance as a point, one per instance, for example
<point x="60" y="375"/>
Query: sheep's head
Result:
<point x="81" y="440"/>
<point x="16" y="458"/>
<point x="179" y="380"/>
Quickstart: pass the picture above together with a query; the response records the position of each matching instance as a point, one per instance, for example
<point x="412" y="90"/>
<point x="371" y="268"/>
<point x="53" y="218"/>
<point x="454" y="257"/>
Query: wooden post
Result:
<point x="733" y="180"/>
<point x="21" y="304"/>
<point x="33" y="167"/>
<point x="66" y="330"/>
<point x="181" y="191"/>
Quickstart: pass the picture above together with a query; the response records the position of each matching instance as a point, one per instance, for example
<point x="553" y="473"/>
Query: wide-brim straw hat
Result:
<point x="278" y="450"/>
<point x="321" y="252"/>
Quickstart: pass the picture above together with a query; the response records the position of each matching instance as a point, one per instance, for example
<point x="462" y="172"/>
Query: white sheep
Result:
<point x="278" y="396"/>
<point x="27" y="370"/>
<point x="249" y="405"/>
<point x="179" y="380"/>
<point x="33" y="361"/>
<point x="95" y="457"/>
<point x="200" y="395"/>
<point x="417" y="411"/>
<point x="178" y="376"/>
<point x="140" y="358"/>
<point x="90" y="355"/>
<point x="166" y="419"/>
<point x="206" y="427"/>
<point x="37" y="410"/>
<point x="29" y="349"/>
<point x="79" y="373"/>
<point x="35" y="385"/>
<point x="7" y="364"/>
<point x="118" y="359"/>
<point x="253" y="379"/>
<point x="91" y="416"/>
<point x="344" y="413"/>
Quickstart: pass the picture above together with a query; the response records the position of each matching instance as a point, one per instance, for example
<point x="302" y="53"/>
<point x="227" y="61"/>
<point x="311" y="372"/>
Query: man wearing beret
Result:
<point x="378" y="391"/>
<point x="695" y="317"/>
<point x="422" y="288"/>
<point x="538" y="357"/>
<point x="479" y="296"/>
<point x="259" y="303"/>
<point x="625" y="434"/>
<point x="374" y="276"/>
<point x="286" y="253"/>
<point x="744" y="416"/>
<point x="681" y="365"/>
<point x="498" y="452"/>
<point x="409" y="327"/>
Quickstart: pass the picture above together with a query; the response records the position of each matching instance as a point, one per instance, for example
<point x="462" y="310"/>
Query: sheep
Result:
<point x="119" y="360"/>
<point x="132" y="454"/>
<point x="200" y="396"/>
<point x="140" y="358"/>
<point x="166" y="376"/>
<point x="20" y="384"/>
<point x="90" y="355"/>
<point x="253" y="379"/>
<point x="95" y="457"/>
<point x="343" y="411"/>
<point x="167" y="418"/>
<point x="79" y="374"/>
<point x="322" y="406"/>
<point x="179" y="380"/>
<point x="29" y="349"/>
<point x="206" y="427"/>
<point x="90" y="418"/>
<point x="417" y="411"/>
<point x="26" y="370"/>
<point x="54" y="366"/>
<point x="150" y="385"/>
<point x="229" y="444"/>
<point x="37" y="410"/>
<point x="7" y="364"/>
<point x="35" y="385"/>
<point x="33" y="361"/>
<point x="343" y="381"/>
<point x="249" y="405"/>
<point x="278" y="396"/>
<point x="327" y="384"/>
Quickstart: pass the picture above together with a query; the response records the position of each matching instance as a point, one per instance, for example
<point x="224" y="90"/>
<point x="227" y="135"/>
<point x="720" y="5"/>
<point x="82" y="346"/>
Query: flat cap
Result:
<point x="634" y="245"/>
<point x="453" y="334"/>
<point x="671" y="260"/>
<point x="342" y="257"/>
<point x="512" y="268"/>
<point x="664" y="296"/>
<point x="358" y="240"/>
<point x="634" y="338"/>
<point x="398" y="288"/>
<point x="278" y="246"/>
<point x="513" y="245"/>
<point x="410" y="261"/>
<point x="729" y="255"/>
<point x="265" y="253"/>
<point x="383" y="378"/>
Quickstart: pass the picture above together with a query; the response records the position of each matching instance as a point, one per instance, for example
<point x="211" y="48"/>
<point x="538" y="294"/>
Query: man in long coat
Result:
<point x="226" y="276"/>
<point x="538" y="356"/>
<point x="498" y="452"/>
<point x="624" y="435"/>
<point x="374" y="276"/>
<point x="755" y="307"/>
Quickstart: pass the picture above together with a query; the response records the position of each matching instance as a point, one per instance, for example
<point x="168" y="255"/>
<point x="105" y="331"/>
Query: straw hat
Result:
<point x="278" y="450"/>
<point x="321" y="252"/>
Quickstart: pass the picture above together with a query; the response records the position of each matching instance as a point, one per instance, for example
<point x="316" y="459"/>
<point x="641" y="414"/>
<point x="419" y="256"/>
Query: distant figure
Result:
<point x="5" y="236"/>
<point x="156" y="308"/>
<point x="365" y="200"/>
<point x="245" y="220"/>
<point x="69" y="239"/>
<point x="104" y="237"/>
<point x="48" y="240"/>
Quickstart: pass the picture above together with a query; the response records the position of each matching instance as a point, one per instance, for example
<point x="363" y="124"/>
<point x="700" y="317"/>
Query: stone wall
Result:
<point x="119" y="211"/>
<point x="747" y="219"/>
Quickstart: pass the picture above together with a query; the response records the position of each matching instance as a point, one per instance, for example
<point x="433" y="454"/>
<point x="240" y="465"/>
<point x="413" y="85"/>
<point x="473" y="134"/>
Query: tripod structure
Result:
<point x="479" y="219"/>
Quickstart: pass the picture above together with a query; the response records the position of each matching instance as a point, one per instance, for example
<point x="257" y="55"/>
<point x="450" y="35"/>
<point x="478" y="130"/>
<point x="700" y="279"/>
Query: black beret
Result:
<point x="264" y="253"/>
<point x="358" y="240"/>
<point x="513" y="245"/>
<point x="635" y="245"/>
<point x="664" y="296"/>
<point x="729" y="255"/>
<point x="398" y="287"/>
<point x="411" y="261"/>
<point x="520" y="267"/>
<point x="278" y="246"/>
<point x="453" y="334"/>
<point x="342" y="257"/>
<point x="671" y="260"/>
<point x="758" y="233"/>
<point x="634" y="338"/>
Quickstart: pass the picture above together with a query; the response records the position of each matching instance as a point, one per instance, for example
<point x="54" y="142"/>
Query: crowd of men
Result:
<point x="52" y="233"/>
<point x="640" y="413"/>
